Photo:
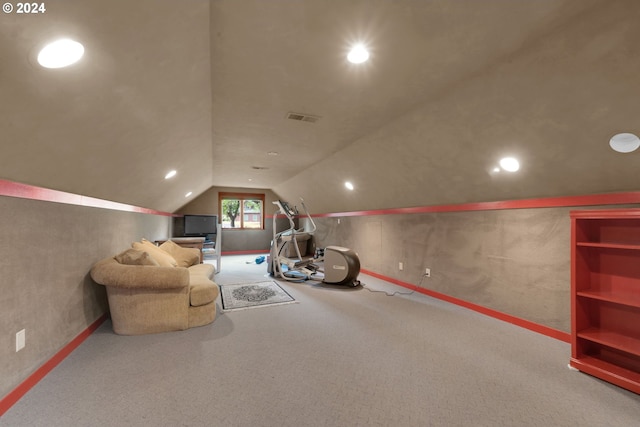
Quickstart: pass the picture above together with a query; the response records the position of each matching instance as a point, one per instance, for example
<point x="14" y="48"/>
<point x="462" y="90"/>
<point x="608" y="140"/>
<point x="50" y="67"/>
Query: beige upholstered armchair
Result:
<point x="154" y="289"/>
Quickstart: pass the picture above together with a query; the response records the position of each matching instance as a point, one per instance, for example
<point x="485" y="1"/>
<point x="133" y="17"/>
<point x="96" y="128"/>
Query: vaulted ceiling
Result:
<point x="205" y="87"/>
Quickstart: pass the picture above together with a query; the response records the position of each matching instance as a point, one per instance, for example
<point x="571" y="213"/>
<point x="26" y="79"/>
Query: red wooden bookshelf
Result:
<point x="605" y="295"/>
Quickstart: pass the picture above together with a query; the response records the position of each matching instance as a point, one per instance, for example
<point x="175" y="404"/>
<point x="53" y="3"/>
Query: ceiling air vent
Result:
<point x="302" y="117"/>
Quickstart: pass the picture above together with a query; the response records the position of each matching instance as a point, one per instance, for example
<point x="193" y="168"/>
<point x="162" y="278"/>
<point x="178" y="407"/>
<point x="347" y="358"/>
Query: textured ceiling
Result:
<point x="204" y="87"/>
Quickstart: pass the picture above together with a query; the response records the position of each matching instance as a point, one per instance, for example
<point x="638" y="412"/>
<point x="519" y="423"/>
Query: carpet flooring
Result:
<point x="340" y="357"/>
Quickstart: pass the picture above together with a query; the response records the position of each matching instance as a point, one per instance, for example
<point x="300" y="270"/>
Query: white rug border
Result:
<point x="227" y="310"/>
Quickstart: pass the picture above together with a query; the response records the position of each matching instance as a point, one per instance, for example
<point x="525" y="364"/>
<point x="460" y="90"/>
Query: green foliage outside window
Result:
<point x="230" y="211"/>
<point x="239" y="213"/>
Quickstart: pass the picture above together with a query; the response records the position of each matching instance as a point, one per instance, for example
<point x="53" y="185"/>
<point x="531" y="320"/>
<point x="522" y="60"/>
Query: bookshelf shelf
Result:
<point x="605" y="289"/>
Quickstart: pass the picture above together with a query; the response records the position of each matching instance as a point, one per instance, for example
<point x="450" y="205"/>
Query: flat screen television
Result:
<point x="200" y="225"/>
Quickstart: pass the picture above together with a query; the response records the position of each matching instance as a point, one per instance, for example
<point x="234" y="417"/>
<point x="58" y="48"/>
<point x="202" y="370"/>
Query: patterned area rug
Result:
<point x="252" y="295"/>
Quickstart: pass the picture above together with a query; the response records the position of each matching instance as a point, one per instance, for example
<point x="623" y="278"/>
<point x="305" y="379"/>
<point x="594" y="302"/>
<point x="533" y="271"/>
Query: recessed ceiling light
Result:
<point x="358" y="54"/>
<point x="509" y="164"/>
<point x="60" y="53"/>
<point x="273" y="153"/>
<point x="348" y="185"/>
<point x="188" y="194"/>
<point x="624" y="142"/>
<point x="170" y="174"/>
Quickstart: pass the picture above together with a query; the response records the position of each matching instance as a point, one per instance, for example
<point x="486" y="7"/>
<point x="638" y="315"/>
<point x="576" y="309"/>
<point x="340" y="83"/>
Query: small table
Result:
<point x="187" y="242"/>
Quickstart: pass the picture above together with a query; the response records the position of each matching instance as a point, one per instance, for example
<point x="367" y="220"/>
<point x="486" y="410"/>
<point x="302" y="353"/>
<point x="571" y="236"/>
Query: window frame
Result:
<point x="223" y="195"/>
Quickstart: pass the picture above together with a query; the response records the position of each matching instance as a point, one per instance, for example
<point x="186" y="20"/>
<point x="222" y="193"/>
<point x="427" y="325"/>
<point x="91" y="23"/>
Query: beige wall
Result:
<point x="236" y="240"/>
<point x="516" y="261"/>
<point x="46" y="254"/>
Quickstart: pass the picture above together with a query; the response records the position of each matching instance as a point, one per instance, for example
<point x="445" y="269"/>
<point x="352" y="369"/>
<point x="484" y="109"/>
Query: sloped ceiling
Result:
<point x="205" y="87"/>
<point x="137" y="105"/>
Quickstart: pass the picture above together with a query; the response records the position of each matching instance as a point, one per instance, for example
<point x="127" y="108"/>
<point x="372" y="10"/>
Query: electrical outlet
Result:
<point x="427" y="272"/>
<point x="20" y="340"/>
<point x="400" y="266"/>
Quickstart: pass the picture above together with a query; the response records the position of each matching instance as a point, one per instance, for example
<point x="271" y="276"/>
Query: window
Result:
<point x="241" y="211"/>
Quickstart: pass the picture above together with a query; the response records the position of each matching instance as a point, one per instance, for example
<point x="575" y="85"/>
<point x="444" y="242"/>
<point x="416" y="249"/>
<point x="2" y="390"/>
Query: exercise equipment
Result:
<point x="294" y="256"/>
